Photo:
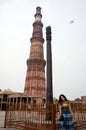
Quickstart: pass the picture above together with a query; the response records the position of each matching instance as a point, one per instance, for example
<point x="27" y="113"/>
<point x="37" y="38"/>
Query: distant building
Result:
<point x="18" y="100"/>
<point x="83" y="98"/>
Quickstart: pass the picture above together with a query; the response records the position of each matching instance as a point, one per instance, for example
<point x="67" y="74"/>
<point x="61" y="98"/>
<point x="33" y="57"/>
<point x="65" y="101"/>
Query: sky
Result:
<point x="68" y="43"/>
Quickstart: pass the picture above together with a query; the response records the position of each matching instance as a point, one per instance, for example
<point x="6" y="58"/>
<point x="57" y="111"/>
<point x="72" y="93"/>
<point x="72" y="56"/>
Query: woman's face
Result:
<point x="62" y="98"/>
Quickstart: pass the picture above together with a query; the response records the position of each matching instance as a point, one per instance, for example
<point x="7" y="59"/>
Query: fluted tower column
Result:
<point x="35" y="76"/>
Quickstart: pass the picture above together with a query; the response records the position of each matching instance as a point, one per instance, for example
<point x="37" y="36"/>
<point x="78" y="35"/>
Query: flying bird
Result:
<point x="71" y="21"/>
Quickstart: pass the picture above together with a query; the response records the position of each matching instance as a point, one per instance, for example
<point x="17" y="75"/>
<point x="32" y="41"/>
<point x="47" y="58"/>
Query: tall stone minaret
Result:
<point x="35" y="76"/>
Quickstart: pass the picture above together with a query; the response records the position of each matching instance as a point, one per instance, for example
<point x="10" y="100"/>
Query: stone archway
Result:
<point x="3" y="106"/>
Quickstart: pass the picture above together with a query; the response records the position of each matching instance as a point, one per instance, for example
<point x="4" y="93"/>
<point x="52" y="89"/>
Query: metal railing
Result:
<point x="43" y="117"/>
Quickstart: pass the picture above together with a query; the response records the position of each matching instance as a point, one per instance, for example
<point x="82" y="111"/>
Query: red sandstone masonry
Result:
<point x="35" y="76"/>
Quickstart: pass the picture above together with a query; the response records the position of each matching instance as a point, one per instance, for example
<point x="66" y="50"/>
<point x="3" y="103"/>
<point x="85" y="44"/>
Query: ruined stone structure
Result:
<point x="83" y="98"/>
<point x="35" y="75"/>
<point x="17" y="100"/>
<point x="34" y="91"/>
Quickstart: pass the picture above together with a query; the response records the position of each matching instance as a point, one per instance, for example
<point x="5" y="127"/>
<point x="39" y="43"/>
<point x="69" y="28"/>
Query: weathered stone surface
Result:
<point x="35" y="76"/>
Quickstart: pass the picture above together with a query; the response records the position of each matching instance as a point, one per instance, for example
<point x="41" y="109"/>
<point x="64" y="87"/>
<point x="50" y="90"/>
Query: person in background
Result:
<point x="65" y="114"/>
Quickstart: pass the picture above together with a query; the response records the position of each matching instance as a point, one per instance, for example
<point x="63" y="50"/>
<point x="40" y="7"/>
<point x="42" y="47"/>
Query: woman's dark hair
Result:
<point x="60" y="100"/>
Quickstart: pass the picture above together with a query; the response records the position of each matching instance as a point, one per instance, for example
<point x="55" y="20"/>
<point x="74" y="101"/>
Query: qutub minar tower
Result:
<point x="35" y="75"/>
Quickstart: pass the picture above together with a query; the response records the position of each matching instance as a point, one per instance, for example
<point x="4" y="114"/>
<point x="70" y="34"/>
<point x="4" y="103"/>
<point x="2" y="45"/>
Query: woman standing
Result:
<point x="65" y="114"/>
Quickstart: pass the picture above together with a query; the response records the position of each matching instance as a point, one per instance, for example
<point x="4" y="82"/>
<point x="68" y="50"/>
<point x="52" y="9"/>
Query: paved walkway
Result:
<point x="15" y="129"/>
<point x="7" y="129"/>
